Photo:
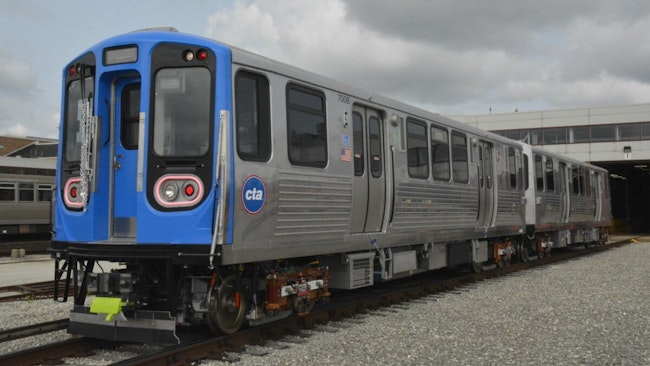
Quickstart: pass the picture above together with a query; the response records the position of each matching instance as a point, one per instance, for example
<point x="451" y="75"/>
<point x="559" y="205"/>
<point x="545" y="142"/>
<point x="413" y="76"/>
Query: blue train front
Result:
<point x="143" y="168"/>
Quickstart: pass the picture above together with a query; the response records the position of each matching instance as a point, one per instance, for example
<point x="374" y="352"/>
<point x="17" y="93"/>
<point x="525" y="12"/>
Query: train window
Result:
<point x="182" y="112"/>
<point x="512" y="167"/>
<point x="440" y="153"/>
<point x="550" y="175"/>
<point x="575" y="180"/>
<point x="358" y="144"/>
<point x="44" y="192"/>
<point x="418" y="153"/>
<point x="374" y="137"/>
<point x="130" y="116"/>
<point x="539" y="173"/>
<point x="74" y="112"/>
<point x="306" y="126"/>
<point x="459" y="157"/>
<point x="526" y="170"/>
<point x="253" y="116"/>
<point x="26" y="192"/>
<point x="8" y="192"/>
<point x="583" y="181"/>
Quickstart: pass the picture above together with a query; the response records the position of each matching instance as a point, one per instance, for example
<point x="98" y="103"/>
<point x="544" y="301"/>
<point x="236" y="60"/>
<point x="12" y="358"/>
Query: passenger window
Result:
<point x="526" y="170"/>
<point x="440" y="153"/>
<point x="416" y="144"/>
<point x="539" y="173"/>
<point x="307" y="132"/>
<point x="44" y="192"/>
<point x="130" y="116"/>
<point x="374" y="132"/>
<point x="512" y="167"/>
<point x="252" y="116"/>
<point x="459" y="157"/>
<point x="575" y="180"/>
<point x="550" y="176"/>
<point x="358" y="144"/>
<point x="8" y="192"/>
<point x="26" y="192"/>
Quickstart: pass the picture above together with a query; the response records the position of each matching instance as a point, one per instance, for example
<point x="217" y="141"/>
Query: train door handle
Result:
<point x="116" y="163"/>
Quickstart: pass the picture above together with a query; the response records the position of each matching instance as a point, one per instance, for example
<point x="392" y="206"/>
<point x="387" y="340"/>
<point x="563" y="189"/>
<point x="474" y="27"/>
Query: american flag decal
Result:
<point x="346" y="155"/>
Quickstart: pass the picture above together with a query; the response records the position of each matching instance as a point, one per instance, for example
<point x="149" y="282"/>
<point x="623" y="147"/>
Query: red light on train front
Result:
<point x="202" y="55"/>
<point x="189" y="190"/>
<point x="73" y="70"/>
<point x="73" y="192"/>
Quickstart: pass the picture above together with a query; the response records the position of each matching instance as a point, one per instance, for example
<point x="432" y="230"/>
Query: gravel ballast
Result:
<point x="590" y="311"/>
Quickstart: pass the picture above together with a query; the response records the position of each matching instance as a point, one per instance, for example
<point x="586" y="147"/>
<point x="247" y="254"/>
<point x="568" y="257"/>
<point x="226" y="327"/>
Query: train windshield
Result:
<point x="181" y="126"/>
<point x="74" y="112"/>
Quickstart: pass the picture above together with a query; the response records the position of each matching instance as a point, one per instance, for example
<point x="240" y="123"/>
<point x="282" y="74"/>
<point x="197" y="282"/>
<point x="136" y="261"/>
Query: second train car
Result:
<point x="236" y="190"/>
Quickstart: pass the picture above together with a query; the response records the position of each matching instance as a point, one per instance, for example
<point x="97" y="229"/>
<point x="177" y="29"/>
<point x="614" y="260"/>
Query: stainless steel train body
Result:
<point x="25" y="195"/>
<point x="571" y="199"/>
<point x="236" y="189"/>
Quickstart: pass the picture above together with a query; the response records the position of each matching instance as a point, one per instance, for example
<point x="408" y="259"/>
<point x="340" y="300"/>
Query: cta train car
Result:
<point x="236" y="190"/>
<point x="26" y="186"/>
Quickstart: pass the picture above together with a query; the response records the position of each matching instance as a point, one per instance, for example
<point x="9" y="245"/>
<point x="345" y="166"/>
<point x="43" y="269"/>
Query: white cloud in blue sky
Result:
<point x="449" y="56"/>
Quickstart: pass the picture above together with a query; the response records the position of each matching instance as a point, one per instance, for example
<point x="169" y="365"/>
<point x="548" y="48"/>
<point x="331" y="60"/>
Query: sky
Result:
<point x="453" y="57"/>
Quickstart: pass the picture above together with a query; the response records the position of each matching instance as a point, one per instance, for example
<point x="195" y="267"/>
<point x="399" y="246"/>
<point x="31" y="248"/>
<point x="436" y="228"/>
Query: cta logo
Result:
<point x="253" y="194"/>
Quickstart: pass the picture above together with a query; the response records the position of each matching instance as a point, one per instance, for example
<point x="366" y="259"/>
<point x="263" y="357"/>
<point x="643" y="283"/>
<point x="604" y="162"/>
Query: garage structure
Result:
<point x="615" y="138"/>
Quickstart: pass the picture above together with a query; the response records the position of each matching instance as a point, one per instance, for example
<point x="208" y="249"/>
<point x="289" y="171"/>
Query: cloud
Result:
<point x="457" y="57"/>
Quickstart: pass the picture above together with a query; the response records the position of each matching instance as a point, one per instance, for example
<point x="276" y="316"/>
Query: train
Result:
<point x="234" y="190"/>
<point x="26" y="187"/>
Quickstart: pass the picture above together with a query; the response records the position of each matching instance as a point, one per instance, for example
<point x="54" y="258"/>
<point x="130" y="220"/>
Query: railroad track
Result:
<point x="340" y="309"/>
<point x="30" y="291"/>
<point x="31" y="244"/>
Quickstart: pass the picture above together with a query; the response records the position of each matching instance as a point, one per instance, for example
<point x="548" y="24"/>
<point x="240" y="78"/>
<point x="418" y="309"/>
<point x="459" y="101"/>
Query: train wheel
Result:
<point x="523" y="251"/>
<point x="476" y="267"/>
<point x="227" y="307"/>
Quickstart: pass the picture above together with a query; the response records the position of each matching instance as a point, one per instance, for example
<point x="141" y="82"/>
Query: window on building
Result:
<point x="307" y="132"/>
<point x="416" y="144"/>
<point x="578" y="135"/>
<point x="440" y="153"/>
<point x="554" y="136"/>
<point x="629" y="132"/>
<point x="603" y="133"/>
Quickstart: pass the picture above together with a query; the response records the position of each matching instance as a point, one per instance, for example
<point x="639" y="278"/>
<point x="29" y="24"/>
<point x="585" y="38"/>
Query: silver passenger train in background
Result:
<point x="239" y="190"/>
<point x="26" y="186"/>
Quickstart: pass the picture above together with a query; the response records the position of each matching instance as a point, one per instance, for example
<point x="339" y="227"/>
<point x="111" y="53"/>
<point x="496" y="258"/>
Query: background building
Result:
<point x="616" y="138"/>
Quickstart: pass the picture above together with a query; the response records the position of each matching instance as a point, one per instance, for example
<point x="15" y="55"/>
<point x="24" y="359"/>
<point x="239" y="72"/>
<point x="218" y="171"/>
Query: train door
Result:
<point x="485" y="184"/>
<point x="369" y="181"/>
<point x="564" y="192"/>
<point x="125" y="139"/>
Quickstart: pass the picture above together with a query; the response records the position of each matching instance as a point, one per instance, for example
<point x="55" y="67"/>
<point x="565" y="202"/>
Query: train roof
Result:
<point x="37" y="163"/>
<point x="253" y="60"/>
